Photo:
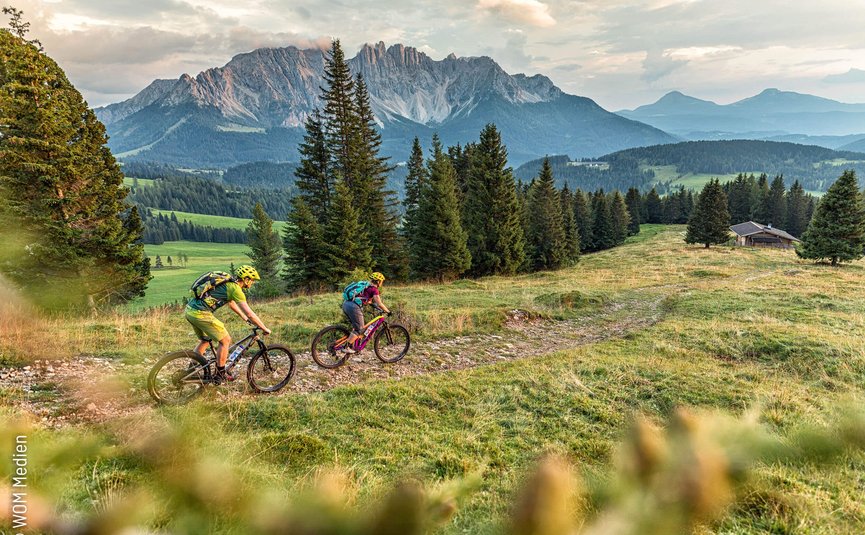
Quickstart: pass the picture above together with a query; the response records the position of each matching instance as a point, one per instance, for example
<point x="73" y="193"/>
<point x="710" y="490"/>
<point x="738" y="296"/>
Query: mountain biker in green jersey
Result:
<point x="200" y="314"/>
<point x="353" y="309"/>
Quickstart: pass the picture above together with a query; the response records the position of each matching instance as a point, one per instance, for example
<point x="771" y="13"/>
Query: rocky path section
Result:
<point x="92" y="390"/>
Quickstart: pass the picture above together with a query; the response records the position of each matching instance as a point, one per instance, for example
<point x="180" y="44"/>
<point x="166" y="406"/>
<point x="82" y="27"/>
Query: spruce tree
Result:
<point x="546" y="234"/>
<point x="740" y="199"/>
<point x="602" y="222"/>
<point x="760" y="208"/>
<point x="633" y="202"/>
<point x="314" y="182"/>
<point x="415" y="181"/>
<point x="797" y="210"/>
<point x="620" y="218"/>
<point x="264" y="251"/>
<point x="340" y="120"/>
<point x="569" y="223"/>
<point x="654" y="207"/>
<point x="70" y="240"/>
<point x="491" y="211"/>
<point x="439" y="249"/>
<point x="837" y="230"/>
<point x="303" y="242"/>
<point x="776" y="203"/>
<point x="584" y="220"/>
<point x="347" y="246"/>
<point x="710" y="220"/>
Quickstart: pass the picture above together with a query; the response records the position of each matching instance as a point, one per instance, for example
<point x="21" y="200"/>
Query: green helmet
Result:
<point x="247" y="272"/>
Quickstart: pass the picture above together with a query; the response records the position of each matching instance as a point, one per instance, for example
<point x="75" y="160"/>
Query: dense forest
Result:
<point x="814" y="167"/>
<point x="159" y="228"/>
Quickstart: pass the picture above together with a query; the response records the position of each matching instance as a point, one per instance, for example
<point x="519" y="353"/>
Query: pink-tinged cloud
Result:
<point x="530" y="12"/>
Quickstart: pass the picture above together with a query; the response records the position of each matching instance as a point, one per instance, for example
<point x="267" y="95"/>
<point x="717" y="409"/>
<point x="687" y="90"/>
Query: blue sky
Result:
<point x="620" y="54"/>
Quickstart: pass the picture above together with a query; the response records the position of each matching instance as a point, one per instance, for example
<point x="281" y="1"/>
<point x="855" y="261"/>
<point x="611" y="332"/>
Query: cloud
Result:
<point x="853" y="76"/>
<point x="568" y="67"/>
<point x="660" y="64"/>
<point x="531" y="12"/>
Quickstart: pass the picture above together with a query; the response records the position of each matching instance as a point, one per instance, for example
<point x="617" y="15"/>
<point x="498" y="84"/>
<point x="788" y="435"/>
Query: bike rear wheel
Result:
<point x="391" y="343"/>
<point x="271" y="369"/>
<point x="325" y="346"/>
<point x="178" y="377"/>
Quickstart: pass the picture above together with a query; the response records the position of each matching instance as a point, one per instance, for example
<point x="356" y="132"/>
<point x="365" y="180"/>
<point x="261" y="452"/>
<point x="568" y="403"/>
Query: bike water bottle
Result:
<point x="236" y="353"/>
<point x="368" y="330"/>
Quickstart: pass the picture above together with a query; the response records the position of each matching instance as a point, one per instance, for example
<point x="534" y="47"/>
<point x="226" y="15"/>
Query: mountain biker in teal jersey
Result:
<point x="199" y="312"/>
<point x="353" y="308"/>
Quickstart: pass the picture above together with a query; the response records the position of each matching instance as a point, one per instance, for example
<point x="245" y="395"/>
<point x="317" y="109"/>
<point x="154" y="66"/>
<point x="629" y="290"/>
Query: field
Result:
<point x="216" y="221"/>
<point x="502" y="371"/>
<point x="171" y="283"/>
<point x="142" y="182"/>
<point x="669" y="173"/>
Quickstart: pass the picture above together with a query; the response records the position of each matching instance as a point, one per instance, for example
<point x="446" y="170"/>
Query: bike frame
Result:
<point x="251" y="338"/>
<point x="368" y="331"/>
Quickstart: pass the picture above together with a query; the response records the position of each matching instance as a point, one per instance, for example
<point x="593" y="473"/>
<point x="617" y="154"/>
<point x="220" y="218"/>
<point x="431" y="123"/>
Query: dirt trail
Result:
<point x="91" y="390"/>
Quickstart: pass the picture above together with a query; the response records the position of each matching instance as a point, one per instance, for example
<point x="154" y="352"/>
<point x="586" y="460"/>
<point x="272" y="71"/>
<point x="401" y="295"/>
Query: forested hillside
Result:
<point x="815" y="167"/>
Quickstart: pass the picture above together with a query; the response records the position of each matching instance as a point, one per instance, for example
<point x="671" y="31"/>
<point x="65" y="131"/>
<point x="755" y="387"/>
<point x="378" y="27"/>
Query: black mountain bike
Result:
<point x="180" y="376"/>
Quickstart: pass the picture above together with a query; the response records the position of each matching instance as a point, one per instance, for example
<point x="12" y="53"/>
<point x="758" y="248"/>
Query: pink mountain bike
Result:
<point x="390" y="342"/>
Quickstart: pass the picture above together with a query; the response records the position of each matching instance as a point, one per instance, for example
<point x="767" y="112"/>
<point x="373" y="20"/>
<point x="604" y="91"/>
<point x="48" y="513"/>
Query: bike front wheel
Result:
<point x="326" y="346"/>
<point x="271" y="369"/>
<point x="178" y="377"/>
<point x="391" y="343"/>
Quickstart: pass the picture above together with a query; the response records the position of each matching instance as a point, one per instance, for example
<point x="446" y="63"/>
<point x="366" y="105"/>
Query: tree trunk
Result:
<point x="707" y="246"/>
<point x="834" y="260"/>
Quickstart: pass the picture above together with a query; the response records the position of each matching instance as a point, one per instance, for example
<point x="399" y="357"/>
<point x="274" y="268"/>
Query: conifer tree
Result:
<point x="761" y="196"/>
<point x="584" y="220"/>
<point x="158" y="264"/>
<point x="654" y="207"/>
<point x="264" y="251"/>
<point x="740" y="198"/>
<point x="569" y="223"/>
<point x="546" y="234"/>
<point x="440" y="248"/>
<point x="797" y="210"/>
<point x="776" y="203"/>
<point x="837" y="230"/>
<point x="378" y="205"/>
<point x="339" y="118"/>
<point x="303" y="242"/>
<point x="602" y="222"/>
<point x="415" y="181"/>
<point x="633" y="202"/>
<point x="61" y="189"/>
<point x="491" y="211"/>
<point x="347" y="245"/>
<point x="710" y="220"/>
<point x="314" y="182"/>
<point x="619" y="217"/>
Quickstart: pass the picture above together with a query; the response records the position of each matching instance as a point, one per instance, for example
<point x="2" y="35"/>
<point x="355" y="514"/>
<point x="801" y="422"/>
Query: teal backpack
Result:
<point x="353" y="291"/>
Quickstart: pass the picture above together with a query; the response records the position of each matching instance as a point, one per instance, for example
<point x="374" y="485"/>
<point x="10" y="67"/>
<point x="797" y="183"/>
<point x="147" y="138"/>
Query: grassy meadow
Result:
<point x="216" y="221"/>
<point x="752" y="333"/>
<point x="171" y="283"/>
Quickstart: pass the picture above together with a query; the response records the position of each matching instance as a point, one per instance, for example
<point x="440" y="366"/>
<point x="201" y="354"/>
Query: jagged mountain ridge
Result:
<point x="254" y="108"/>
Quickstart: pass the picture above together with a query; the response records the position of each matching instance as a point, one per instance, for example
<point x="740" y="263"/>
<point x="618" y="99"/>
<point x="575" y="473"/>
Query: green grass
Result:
<point x="142" y="182"/>
<point x="216" y="221"/>
<point x="735" y="330"/>
<point x="692" y="181"/>
<point x="171" y="284"/>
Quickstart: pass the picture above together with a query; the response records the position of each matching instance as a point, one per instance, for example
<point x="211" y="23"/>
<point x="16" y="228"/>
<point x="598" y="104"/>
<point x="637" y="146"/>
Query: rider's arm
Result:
<point x="241" y="308"/>
<point x="377" y="300"/>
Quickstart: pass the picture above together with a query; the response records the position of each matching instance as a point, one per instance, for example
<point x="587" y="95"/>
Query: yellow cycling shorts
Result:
<point x="205" y="324"/>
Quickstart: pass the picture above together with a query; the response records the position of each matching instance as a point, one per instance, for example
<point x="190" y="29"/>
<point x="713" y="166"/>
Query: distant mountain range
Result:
<point x="253" y="109"/>
<point x="771" y="115"/>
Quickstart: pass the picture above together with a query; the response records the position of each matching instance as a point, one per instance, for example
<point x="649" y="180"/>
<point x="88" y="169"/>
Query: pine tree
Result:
<point x="546" y="234"/>
<point x="584" y="219"/>
<point x="439" y="250"/>
<point x="620" y="218"/>
<point x="264" y="251"/>
<point x="415" y="181"/>
<point x="602" y="222"/>
<point x="654" y="207"/>
<point x="760" y="207"/>
<point x="740" y="198"/>
<point x="158" y="263"/>
<point x="491" y="213"/>
<point x="776" y="203"/>
<point x="797" y="210"/>
<point x="710" y="220"/>
<point x="572" y="231"/>
<point x="70" y="241"/>
<point x="837" y="231"/>
<point x="347" y="246"/>
<point x="314" y="182"/>
<point x="339" y="116"/>
<point x="633" y="202"/>
<point x="304" y="247"/>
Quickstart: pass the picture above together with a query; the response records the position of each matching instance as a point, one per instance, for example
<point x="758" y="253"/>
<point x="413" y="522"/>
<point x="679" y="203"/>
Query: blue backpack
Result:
<point x="352" y="291"/>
